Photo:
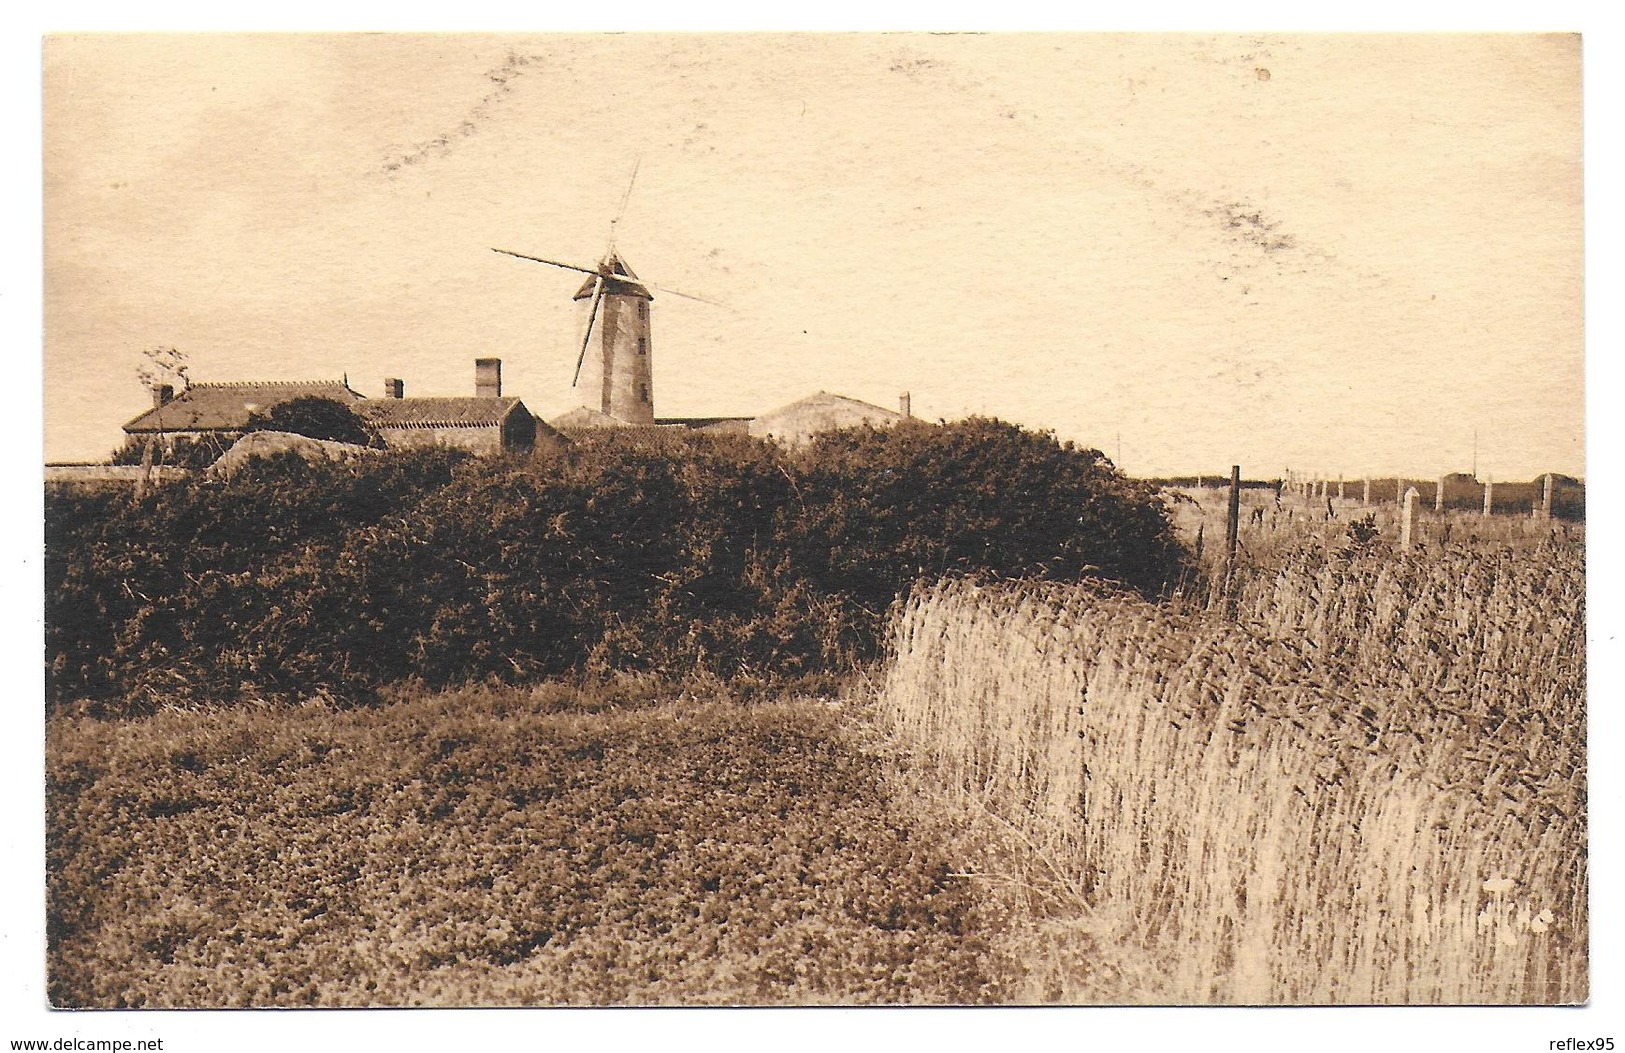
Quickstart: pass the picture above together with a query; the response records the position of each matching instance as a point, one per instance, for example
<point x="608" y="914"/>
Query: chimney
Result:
<point x="394" y="388"/>
<point x="488" y="378"/>
<point x="905" y="405"/>
<point x="162" y="393"/>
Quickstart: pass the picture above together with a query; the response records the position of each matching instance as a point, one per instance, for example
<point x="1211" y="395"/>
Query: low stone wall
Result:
<point x="269" y="443"/>
<point x="108" y="474"/>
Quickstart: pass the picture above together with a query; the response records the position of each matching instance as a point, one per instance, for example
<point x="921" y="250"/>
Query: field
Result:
<point x="496" y="847"/>
<point x="1366" y="786"/>
<point x="1274" y="530"/>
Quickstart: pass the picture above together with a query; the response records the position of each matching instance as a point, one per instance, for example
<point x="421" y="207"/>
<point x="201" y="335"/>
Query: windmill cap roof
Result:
<point x="623" y="279"/>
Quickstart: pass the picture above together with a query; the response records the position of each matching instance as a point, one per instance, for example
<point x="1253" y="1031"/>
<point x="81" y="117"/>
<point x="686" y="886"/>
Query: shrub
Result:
<point x="316" y="418"/>
<point x="179" y="451"/>
<point x="665" y="554"/>
<point x="880" y="509"/>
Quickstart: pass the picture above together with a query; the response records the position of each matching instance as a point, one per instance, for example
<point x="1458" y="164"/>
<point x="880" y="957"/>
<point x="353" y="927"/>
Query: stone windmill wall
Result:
<point x="617" y="376"/>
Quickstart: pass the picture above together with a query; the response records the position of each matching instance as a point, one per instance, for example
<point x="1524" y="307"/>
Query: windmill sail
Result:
<point x="586" y="339"/>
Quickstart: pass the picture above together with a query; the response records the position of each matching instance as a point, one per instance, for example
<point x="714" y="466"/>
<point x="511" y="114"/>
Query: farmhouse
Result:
<point x="791" y="425"/>
<point x="222" y="410"/>
<point x="483" y="425"/>
<point x="485" y="422"/>
<point x="798" y="422"/>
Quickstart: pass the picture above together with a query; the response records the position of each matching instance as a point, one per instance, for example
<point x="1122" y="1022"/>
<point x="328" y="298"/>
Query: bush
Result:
<point x="881" y="509"/>
<point x="664" y="554"/>
<point x="1364" y="531"/>
<point x="317" y="418"/>
<point x="177" y="451"/>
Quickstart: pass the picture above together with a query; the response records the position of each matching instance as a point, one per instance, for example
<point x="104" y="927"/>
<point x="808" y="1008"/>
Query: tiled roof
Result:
<point x="227" y="406"/>
<point x="459" y="411"/>
<point x="825" y="402"/>
<point x="799" y="421"/>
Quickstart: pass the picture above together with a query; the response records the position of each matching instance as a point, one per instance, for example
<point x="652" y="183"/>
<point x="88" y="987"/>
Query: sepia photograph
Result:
<point x="814" y="519"/>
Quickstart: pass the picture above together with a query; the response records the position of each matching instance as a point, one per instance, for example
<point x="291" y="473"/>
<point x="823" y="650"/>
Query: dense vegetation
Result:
<point x="1367" y="786"/>
<point x="179" y="451"/>
<point x="317" y="418"/>
<point x="494" y="847"/>
<point x="663" y="553"/>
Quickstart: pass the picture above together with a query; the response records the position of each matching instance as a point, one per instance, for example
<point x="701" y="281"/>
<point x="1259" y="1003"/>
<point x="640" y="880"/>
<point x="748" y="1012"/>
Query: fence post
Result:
<point x="1232" y="527"/>
<point x="144" y="480"/>
<point x="1489" y="491"/>
<point x="1406" y="514"/>
<point x="1365" y="499"/>
<point x="1438" y="495"/>
<point x="1546" y="499"/>
<point x="1340" y="488"/>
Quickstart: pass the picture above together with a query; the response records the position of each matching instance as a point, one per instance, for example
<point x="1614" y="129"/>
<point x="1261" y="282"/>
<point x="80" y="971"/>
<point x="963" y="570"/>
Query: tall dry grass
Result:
<point x="1367" y="789"/>
<point x="1274" y="529"/>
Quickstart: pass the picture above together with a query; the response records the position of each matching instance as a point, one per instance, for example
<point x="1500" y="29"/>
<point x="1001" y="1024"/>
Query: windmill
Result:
<point x="616" y="303"/>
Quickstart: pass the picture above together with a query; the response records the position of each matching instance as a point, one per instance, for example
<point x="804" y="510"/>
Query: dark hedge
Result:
<point x="317" y="418"/>
<point x="650" y="552"/>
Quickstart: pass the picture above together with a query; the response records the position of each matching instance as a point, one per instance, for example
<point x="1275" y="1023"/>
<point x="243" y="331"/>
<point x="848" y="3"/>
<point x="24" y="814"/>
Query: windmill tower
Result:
<point x="616" y="347"/>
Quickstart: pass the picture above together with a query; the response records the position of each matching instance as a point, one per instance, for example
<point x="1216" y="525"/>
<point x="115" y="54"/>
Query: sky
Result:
<point x="1350" y="255"/>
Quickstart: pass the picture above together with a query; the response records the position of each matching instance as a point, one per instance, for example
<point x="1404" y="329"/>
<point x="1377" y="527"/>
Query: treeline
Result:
<point x="659" y="553"/>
